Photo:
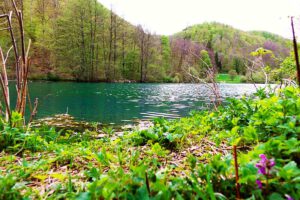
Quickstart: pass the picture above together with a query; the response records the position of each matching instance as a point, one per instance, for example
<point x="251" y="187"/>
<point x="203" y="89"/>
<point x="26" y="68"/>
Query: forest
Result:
<point x="72" y="127"/>
<point x="81" y="40"/>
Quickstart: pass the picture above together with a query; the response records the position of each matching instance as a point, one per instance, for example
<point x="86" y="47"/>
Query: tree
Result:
<point x="205" y="62"/>
<point x="144" y="39"/>
<point x="131" y="63"/>
<point x="238" y="65"/>
<point x="82" y="40"/>
<point x="258" y="65"/>
<point x="166" y="53"/>
<point x="76" y="37"/>
<point x="22" y="64"/>
<point x="288" y="67"/>
<point x="218" y="62"/>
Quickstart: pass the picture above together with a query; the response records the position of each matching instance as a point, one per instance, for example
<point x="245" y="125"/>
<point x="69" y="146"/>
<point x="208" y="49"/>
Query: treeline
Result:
<point x="82" y="40"/>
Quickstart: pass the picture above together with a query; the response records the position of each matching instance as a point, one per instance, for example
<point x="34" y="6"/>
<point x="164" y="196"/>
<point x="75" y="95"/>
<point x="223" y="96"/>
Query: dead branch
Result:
<point x="257" y="65"/>
<point x="4" y="84"/>
<point x="211" y="84"/>
<point x="236" y="169"/>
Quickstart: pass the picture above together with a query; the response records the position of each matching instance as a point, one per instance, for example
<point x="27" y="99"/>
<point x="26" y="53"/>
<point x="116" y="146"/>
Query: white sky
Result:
<point x="171" y="16"/>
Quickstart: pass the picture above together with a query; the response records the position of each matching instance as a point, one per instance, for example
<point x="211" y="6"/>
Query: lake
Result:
<point x="120" y="103"/>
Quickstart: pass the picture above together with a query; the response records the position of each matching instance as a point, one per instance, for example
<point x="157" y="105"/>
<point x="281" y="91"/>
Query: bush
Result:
<point x="243" y="79"/>
<point x="168" y="79"/>
<point x="37" y="77"/>
<point x="52" y="77"/>
<point x="257" y="77"/>
<point x="232" y="74"/>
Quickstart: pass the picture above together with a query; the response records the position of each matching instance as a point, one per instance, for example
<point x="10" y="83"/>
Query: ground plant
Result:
<point x="189" y="158"/>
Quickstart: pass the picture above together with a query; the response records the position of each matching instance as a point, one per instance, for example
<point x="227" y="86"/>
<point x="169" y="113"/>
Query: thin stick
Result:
<point x="13" y="40"/>
<point x="296" y="51"/>
<point x="147" y="183"/>
<point x="236" y="167"/>
<point x="34" y="112"/>
<point x="4" y="84"/>
<point x="5" y="99"/>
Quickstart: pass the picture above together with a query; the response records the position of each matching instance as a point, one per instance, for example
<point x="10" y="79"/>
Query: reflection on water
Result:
<point x="117" y="103"/>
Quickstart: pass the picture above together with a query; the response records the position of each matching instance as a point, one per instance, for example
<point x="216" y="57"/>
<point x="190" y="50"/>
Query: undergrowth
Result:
<point x="190" y="158"/>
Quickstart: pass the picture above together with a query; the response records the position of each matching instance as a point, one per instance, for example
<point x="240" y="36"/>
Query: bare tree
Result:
<point x="210" y="73"/>
<point x="258" y="65"/>
<point x="144" y="43"/>
<point x="22" y="63"/>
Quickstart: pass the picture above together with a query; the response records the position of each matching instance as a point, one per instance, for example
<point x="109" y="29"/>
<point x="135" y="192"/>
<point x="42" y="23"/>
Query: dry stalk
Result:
<point x="296" y="51"/>
<point x="236" y="167"/>
<point x="34" y="111"/>
<point x="4" y="84"/>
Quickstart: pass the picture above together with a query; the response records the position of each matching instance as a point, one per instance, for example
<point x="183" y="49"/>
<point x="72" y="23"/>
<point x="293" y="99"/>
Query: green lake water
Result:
<point x="120" y="103"/>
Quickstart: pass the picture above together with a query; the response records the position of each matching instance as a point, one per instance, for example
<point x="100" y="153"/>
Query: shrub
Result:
<point x="232" y="74"/>
<point x="168" y="79"/>
<point x="52" y="77"/>
<point x="243" y="79"/>
<point x="257" y="77"/>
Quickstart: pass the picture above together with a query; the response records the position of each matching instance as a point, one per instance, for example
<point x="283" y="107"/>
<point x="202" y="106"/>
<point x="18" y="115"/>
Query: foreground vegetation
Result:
<point x="190" y="158"/>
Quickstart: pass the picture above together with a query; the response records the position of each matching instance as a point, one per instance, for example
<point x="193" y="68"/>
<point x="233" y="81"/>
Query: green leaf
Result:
<point x="290" y="171"/>
<point x="275" y="196"/>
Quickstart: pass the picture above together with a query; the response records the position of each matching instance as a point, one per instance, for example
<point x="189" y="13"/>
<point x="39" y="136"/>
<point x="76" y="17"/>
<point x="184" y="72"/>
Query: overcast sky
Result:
<point x="171" y="16"/>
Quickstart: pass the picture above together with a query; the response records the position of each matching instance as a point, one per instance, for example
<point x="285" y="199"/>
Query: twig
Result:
<point x="4" y="85"/>
<point x="147" y="183"/>
<point x="13" y="40"/>
<point x="236" y="167"/>
<point x="34" y="112"/>
<point x="210" y="73"/>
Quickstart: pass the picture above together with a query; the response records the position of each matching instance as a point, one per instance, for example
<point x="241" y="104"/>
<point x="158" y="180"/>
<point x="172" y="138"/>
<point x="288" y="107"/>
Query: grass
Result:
<point x="225" y="78"/>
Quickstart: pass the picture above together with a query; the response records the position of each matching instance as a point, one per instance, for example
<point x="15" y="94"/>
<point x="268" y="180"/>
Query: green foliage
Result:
<point x="288" y="67"/>
<point x="243" y="79"/>
<point x="8" y="188"/>
<point x="81" y="40"/>
<point x="232" y="46"/>
<point x="257" y="77"/>
<point x="232" y="74"/>
<point x="238" y="65"/>
<point x="131" y="65"/>
<point x="166" y="53"/>
<point x="271" y="36"/>
<point x="189" y="158"/>
<point x="52" y="77"/>
<point x="205" y="61"/>
<point x="225" y="78"/>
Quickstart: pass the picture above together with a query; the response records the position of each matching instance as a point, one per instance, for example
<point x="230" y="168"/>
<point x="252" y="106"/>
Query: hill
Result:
<point x="230" y="48"/>
<point x="82" y="40"/>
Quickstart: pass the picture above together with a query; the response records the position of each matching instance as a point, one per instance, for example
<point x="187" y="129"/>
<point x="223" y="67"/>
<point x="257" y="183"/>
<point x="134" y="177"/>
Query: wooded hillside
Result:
<point x="82" y="40"/>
